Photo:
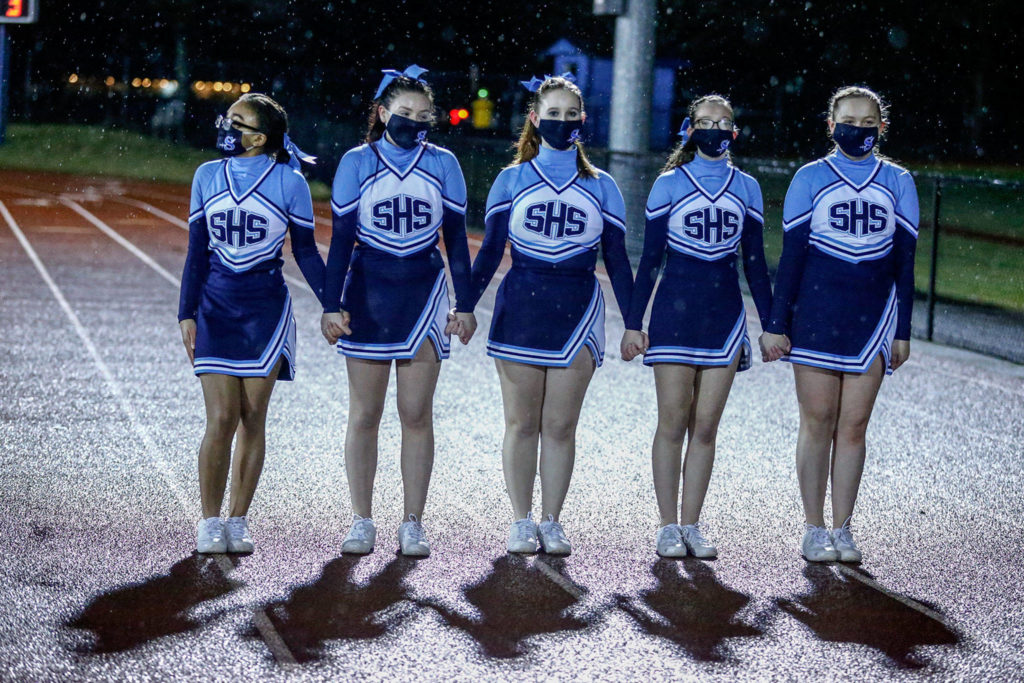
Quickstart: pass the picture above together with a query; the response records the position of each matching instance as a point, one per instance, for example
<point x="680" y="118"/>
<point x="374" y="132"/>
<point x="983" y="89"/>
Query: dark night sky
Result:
<point x="951" y="70"/>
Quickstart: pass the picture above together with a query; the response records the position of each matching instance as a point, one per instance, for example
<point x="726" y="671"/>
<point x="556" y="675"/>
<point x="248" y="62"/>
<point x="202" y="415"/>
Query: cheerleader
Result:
<point x="703" y="209"/>
<point x="841" y="312"/>
<point x="235" y="312"/>
<point x="547" y="333"/>
<point x="386" y="296"/>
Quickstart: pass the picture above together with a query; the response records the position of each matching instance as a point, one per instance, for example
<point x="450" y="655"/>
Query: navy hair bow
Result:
<point x="683" y="130"/>
<point x="534" y="83"/>
<point x="412" y="72"/>
<point x="297" y="153"/>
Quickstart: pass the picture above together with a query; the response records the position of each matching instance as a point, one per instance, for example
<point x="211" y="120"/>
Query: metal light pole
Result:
<point x="630" y="129"/>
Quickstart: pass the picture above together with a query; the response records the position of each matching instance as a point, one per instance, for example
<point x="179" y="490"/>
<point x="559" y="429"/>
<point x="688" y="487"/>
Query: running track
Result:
<point x="100" y="418"/>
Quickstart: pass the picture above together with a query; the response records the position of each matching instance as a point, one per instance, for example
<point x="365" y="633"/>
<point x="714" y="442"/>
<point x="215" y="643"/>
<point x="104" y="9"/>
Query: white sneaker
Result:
<point x="817" y="545"/>
<point x="361" y="537"/>
<point x="696" y="543"/>
<point x="210" y="536"/>
<point x="842" y="539"/>
<point x="552" y="537"/>
<point x="236" y="529"/>
<point x="669" y="541"/>
<point x="411" y="538"/>
<point x="522" y="537"/>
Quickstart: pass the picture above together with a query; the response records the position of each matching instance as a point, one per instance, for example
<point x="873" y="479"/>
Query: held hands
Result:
<point x="773" y="346"/>
<point x="463" y="325"/>
<point x="634" y="343"/>
<point x="188" y="338"/>
<point x="900" y="353"/>
<point x="334" y="325"/>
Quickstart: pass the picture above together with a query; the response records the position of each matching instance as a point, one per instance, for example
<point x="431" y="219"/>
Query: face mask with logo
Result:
<point x="560" y="134"/>
<point x="855" y="141"/>
<point x="229" y="138"/>
<point x="712" y="142"/>
<point x="405" y="132"/>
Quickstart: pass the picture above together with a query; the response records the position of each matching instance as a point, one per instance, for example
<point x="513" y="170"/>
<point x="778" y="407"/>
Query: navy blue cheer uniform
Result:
<point x="384" y="267"/>
<point x="701" y="213"/>
<point x="845" y="285"/>
<point x="232" y="285"/>
<point x="549" y="306"/>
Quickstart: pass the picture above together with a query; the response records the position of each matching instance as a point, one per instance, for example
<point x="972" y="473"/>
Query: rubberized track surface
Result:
<point x="100" y="420"/>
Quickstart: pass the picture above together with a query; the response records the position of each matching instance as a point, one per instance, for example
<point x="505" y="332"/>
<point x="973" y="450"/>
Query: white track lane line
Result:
<point x="112" y="234"/>
<point x="902" y="599"/>
<point x="270" y="635"/>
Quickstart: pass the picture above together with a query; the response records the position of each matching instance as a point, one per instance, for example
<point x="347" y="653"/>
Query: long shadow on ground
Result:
<point x="336" y="607"/>
<point x="516" y="601"/>
<point x="841" y="609"/>
<point x="128" y="616"/>
<point x="692" y="610"/>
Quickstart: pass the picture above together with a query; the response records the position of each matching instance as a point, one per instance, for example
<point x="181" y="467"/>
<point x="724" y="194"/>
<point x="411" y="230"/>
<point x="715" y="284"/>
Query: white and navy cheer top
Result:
<point x="384" y="267"/>
<point x="549" y="305"/>
<point x="845" y="285"/>
<point x="701" y="213"/>
<point x="232" y="283"/>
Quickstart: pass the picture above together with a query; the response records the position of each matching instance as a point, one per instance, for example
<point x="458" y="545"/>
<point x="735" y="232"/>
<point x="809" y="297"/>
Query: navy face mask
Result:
<point x="229" y="138"/>
<point x="229" y="142"/>
<point x="712" y="142"/>
<point x="856" y="141"/>
<point x="560" y="134"/>
<point x="405" y="132"/>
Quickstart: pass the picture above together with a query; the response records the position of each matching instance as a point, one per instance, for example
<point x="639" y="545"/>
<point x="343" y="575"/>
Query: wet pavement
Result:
<point x="100" y="420"/>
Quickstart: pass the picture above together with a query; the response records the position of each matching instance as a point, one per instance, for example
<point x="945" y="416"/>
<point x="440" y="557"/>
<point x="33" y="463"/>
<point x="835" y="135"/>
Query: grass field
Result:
<point x="981" y="259"/>
<point x="92" y="150"/>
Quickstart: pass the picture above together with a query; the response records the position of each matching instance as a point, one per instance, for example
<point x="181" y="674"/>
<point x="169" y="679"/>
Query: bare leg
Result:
<point x="417" y="379"/>
<point x="222" y="395"/>
<point x="817" y="391"/>
<point x="673" y="384"/>
<point x="251" y="442"/>
<point x="522" y="394"/>
<point x="367" y="388"/>
<point x="856" y="400"/>
<point x="564" y="390"/>
<point x="711" y="391"/>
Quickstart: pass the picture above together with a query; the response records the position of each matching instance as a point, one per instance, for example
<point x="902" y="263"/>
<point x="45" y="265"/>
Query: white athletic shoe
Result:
<point x="361" y="537"/>
<point x="552" y="537"/>
<point x="210" y="536"/>
<point x="522" y="537"/>
<point x="411" y="538"/>
<point x="236" y="531"/>
<point x="696" y="543"/>
<point x="669" y="541"/>
<point x="817" y="545"/>
<point x="842" y="540"/>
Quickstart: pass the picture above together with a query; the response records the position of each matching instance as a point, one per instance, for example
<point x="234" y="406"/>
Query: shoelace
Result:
<point x="213" y="527"/>
<point x="236" y="527"/>
<point x="669" y="535"/>
<point x="819" y="535"/>
<point x="361" y="528"/>
<point x="554" y="528"/>
<point x="415" y="530"/>
<point x="522" y="528"/>
<point x="843" y="534"/>
<point x="694" y="535"/>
